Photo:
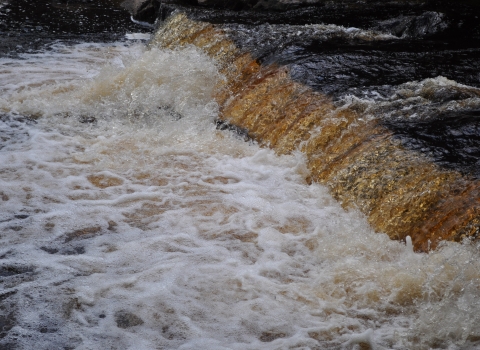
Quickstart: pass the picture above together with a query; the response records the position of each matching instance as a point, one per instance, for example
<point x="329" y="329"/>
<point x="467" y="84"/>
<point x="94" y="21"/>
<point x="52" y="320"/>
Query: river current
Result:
<point x="128" y="221"/>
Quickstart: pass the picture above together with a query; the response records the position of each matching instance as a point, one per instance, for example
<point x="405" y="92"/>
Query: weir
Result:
<point x="135" y="216"/>
<point x="348" y="146"/>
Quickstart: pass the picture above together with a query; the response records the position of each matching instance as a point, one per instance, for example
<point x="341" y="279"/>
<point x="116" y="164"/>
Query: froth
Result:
<point x="138" y="85"/>
<point x="144" y="227"/>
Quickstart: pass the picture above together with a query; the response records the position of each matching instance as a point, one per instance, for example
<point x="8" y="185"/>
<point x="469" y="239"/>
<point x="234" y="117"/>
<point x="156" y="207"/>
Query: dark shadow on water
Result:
<point x="27" y="26"/>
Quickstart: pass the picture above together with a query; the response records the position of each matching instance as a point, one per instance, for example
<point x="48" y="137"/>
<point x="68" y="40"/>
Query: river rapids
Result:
<point x="130" y="221"/>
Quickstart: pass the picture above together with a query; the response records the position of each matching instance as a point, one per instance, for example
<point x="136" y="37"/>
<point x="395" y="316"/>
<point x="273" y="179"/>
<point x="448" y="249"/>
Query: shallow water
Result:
<point x="129" y="221"/>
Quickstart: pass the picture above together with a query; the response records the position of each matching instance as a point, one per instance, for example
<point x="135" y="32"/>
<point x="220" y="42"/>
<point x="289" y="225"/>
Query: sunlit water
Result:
<point x="129" y="222"/>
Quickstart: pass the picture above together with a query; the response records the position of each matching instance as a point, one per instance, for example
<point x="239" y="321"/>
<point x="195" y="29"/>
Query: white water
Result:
<point x="149" y="229"/>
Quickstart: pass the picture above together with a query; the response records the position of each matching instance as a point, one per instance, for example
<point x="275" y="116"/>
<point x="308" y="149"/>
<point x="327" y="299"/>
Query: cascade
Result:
<point x="183" y="188"/>
<point x="348" y="147"/>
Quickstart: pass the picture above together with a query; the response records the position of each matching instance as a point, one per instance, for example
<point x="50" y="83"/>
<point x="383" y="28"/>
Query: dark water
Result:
<point x="381" y="46"/>
<point x="427" y="41"/>
<point x="452" y="140"/>
<point x="27" y="26"/>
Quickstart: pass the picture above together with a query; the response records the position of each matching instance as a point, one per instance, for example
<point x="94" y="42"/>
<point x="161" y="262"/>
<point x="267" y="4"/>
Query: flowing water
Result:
<point x="129" y="221"/>
<point x="405" y="155"/>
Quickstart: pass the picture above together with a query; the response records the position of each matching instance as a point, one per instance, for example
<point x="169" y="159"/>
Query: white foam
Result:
<point x="148" y="228"/>
<point x="138" y="36"/>
<point x="364" y="338"/>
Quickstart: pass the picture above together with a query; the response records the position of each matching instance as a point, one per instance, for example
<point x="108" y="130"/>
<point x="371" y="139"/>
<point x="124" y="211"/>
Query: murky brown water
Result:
<point x="130" y="221"/>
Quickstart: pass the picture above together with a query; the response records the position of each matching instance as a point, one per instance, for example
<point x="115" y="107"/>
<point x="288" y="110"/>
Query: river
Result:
<point x="130" y="221"/>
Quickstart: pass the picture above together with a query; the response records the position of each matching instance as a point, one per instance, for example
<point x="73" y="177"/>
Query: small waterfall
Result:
<point x="135" y="216"/>
<point x="348" y="145"/>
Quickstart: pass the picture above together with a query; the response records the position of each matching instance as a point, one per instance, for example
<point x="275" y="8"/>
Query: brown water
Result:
<point x="129" y="221"/>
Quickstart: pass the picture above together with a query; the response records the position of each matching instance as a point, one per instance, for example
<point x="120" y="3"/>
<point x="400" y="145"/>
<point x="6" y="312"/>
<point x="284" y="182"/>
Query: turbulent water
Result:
<point x="128" y="221"/>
